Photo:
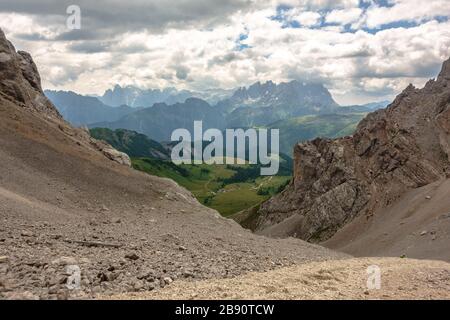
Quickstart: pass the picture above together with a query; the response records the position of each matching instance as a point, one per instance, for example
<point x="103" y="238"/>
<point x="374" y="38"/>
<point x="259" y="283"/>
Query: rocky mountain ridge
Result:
<point x="82" y="110"/>
<point x="403" y="147"/>
<point x="20" y="83"/>
<point x="136" y="97"/>
<point x="269" y="94"/>
<point x="20" y="80"/>
<point x="159" y="121"/>
<point x="265" y="103"/>
<point x="261" y="104"/>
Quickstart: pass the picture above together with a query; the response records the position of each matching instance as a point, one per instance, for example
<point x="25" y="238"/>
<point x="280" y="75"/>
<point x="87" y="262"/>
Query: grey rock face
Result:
<point x="266" y="103"/>
<point x="393" y="150"/>
<point x="20" y="81"/>
<point x="136" y="97"/>
<point x="111" y="153"/>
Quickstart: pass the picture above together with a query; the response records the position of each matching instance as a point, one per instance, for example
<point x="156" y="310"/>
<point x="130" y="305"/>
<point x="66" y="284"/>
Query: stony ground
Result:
<point x="63" y="205"/>
<point x="343" y="279"/>
<point x="152" y="251"/>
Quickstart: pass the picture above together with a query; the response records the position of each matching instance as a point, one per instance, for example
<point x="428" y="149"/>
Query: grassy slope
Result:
<point x="131" y="142"/>
<point x="205" y="182"/>
<point x="213" y="185"/>
<point x="305" y="128"/>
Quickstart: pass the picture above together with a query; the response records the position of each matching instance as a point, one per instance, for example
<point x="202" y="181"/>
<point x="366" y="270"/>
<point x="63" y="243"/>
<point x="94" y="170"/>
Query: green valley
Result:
<point x="229" y="189"/>
<point x="225" y="188"/>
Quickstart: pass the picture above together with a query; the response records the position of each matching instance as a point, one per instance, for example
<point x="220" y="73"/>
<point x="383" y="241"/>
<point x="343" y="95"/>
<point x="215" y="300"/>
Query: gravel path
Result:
<point x="343" y="279"/>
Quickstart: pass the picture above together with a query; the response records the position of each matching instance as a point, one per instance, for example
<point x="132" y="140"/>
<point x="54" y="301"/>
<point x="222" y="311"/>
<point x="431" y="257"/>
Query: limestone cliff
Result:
<point x="393" y="150"/>
<point x="20" y="83"/>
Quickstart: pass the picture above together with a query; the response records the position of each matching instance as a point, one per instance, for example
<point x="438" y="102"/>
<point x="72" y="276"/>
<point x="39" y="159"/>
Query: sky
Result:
<point x="361" y="50"/>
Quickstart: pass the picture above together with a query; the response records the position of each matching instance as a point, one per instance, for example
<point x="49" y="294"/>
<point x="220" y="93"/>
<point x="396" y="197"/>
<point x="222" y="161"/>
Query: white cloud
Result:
<point x="357" y="66"/>
<point x="344" y="16"/>
<point x="319" y="4"/>
<point x="406" y="10"/>
<point x="304" y="18"/>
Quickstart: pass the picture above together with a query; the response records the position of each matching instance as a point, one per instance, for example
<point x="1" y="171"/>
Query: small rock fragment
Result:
<point x="132" y="256"/>
<point x="168" y="280"/>
<point x="138" y="285"/>
<point x="26" y="233"/>
<point x="64" y="261"/>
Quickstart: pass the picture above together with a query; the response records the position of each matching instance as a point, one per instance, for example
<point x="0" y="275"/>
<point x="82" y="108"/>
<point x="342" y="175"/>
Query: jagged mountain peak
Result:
<point x="136" y="97"/>
<point x="266" y="103"/>
<point x="20" y="87"/>
<point x="445" y="72"/>
<point x="292" y="93"/>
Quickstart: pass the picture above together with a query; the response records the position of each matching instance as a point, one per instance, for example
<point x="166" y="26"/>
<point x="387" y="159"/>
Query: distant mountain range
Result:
<point x="291" y="95"/>
<point x="159" y="121"/>
<point x="267" y="103"/>
<point x="136" y="97"/>
<point x="82" y="110"/>
<point x="260" y="105"/>
<point x="369" y="107"/>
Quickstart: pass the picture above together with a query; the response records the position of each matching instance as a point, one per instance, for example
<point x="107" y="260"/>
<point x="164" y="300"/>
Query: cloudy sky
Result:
<point x="362" y="50"/>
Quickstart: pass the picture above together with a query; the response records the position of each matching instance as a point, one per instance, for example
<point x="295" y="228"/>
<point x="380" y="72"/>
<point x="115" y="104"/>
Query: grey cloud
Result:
<point x="135" y="48"/>
<point x="68" y="74"/>
<point x="90" y="47"/>
<point x="182" y="72"/>
<point x="360" y="53"/>
<point x="83" y="34"/>
<point x="223" y="59"/>
<point x="309" y="76"/>
<point x="375" y="94"/>
<point x="31" y="37"/>
<point x="408" y="69"/>
<point x="165" y="76"/>
<point x="104" y="18"/>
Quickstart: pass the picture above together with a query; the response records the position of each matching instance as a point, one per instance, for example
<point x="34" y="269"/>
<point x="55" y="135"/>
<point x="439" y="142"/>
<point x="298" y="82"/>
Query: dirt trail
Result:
<point x="344" y="279"/>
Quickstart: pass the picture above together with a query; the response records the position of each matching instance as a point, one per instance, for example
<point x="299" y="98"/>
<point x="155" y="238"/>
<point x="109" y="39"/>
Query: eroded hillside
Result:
<point x="393" y="151"/>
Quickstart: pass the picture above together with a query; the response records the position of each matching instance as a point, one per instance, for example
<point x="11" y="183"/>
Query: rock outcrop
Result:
<point x="20" y="83"/>
<point x="111" y="153"/>
<point x="393" y="150"/>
